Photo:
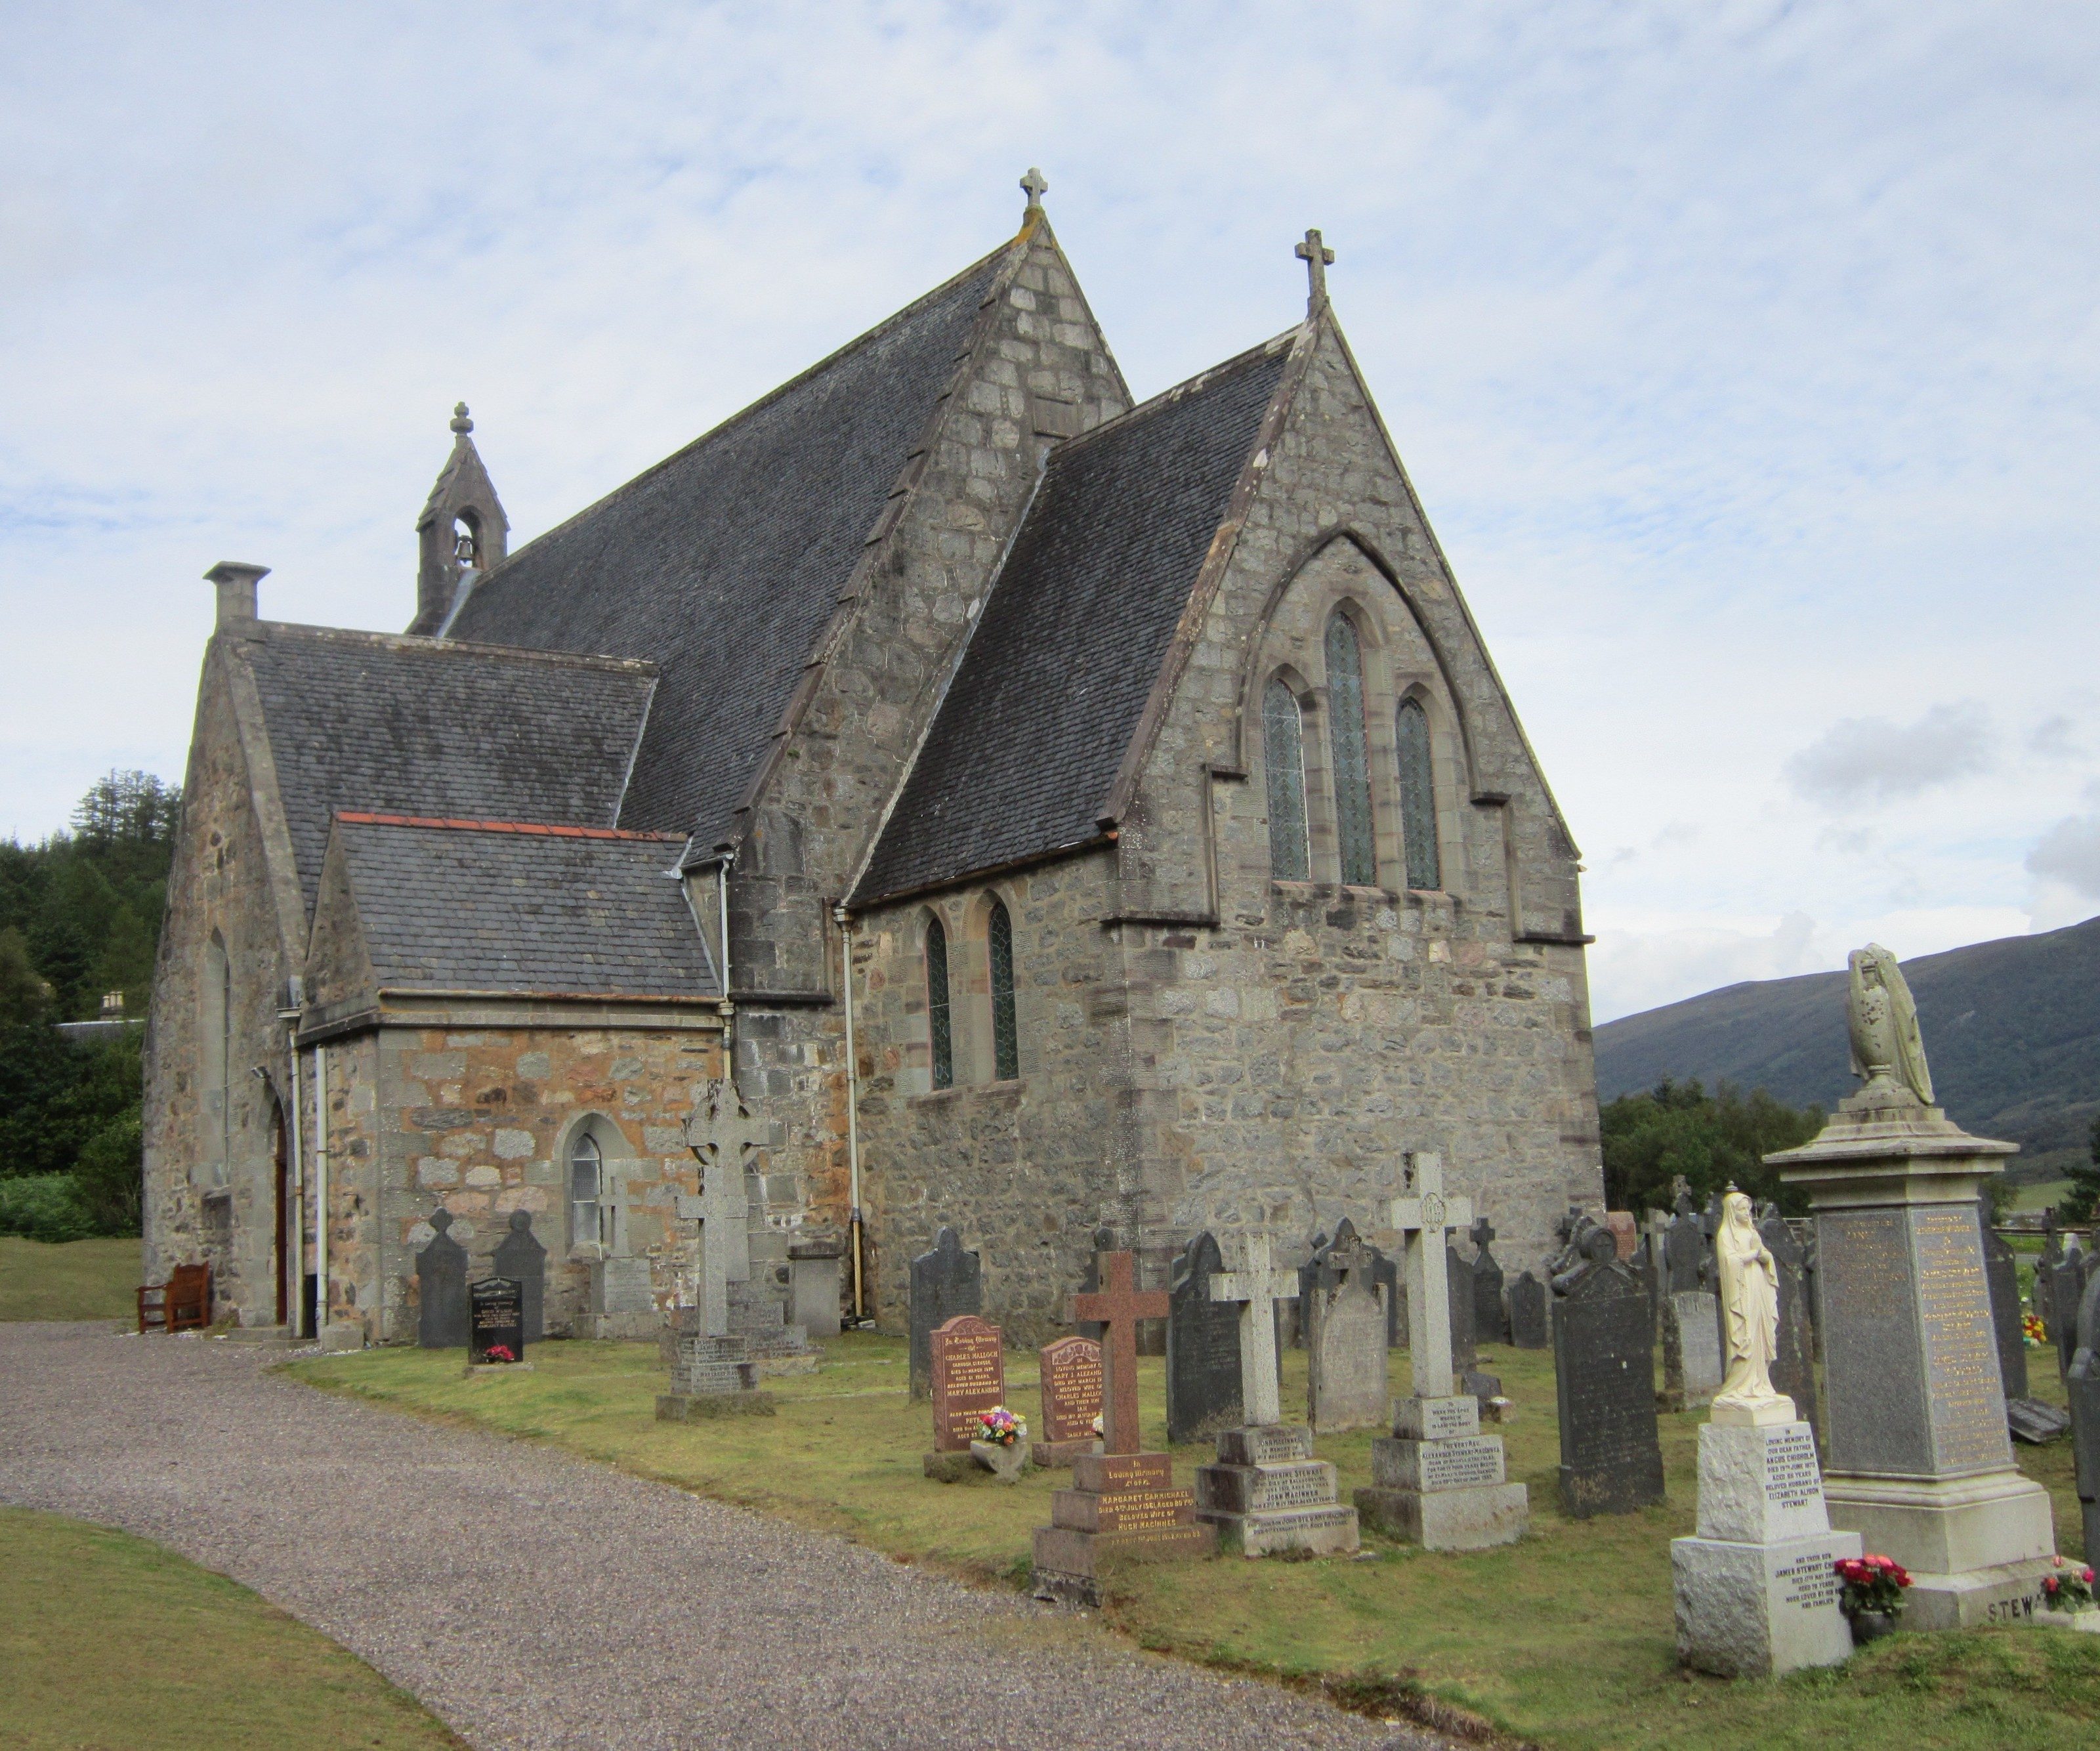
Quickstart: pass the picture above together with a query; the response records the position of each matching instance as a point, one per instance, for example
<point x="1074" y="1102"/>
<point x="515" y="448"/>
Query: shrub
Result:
<point x="109" y="1178"/>
<point x="44" y="1207"/>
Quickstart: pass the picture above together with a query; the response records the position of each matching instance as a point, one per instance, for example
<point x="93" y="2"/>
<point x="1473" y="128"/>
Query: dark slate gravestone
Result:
<point x="1650" y="1274"/>
<point x="441" y="1289"/>
<point x="1090" y="1279"/>
<point x="1308" y="1274"/>
<point x="497" y="1309"/>
<point x="2003" y="1271"/>
<point x="1458" y="1284"/>
<point x="1490" y="1317"/>
<point x="524" y="1260"/>
<point x="1793" y="1368"/>
<point x="2066" y="1286"/>
<point x="1603" y="1370"/>
<point x="2044" y="1276"/>
<point x="1385" y="1273"/>
<point x="1528" y="1321"/>
<point x="2082" y="1386"/>
<point x="1682" y="1248"/>
<point x="945" y="1283"/>
<point x="1202" y="1348"/>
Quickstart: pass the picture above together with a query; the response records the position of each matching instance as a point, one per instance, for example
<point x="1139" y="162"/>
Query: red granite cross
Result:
<point x="1118" y="1305"/>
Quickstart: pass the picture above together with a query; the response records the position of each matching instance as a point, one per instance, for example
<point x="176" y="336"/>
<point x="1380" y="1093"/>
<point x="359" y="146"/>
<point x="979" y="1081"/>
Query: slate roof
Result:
<point x="724" y="564"/>
<point x="379" y="721"/>
<point x="1026" y="745"/>
<point x="504" y="906"/>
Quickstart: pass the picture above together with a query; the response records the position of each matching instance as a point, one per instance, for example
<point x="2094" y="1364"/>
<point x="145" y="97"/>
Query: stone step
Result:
<point x="1128" y="1510"/>
<point x="1324" y="1531"/>
<point x="1471" y="1462"/>
<point x="1257" y="1489"/>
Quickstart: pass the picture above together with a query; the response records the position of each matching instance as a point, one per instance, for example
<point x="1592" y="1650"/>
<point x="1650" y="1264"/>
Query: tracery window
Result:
<point x="1005" y="1028"/>
<point x="1283" y="752"/>
<point x="1352" y="776"/>
<point x="1418" y="797"/>
<point x="588" y="1205"/>
<point x="938" y="1016"/>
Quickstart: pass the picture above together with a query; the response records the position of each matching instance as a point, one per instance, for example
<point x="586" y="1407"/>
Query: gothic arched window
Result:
<point x="1005" y="1028"/>
<point x="938" y="1016"/>
<point x="587" y="1199"/>
<point x="1283" y="752"/>
<point x="1418" y="797"/>
<point x="1352" y="775"/>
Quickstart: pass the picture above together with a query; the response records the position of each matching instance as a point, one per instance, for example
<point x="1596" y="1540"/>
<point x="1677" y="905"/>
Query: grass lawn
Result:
<point x="2040" y="1196"/>
<point x="81" y="1279"/>
<point x="110" y="1643"/>
<point x="1566" y="1639"/>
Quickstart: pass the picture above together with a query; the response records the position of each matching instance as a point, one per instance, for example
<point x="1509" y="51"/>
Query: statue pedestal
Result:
<point x="1918" y="1459"/>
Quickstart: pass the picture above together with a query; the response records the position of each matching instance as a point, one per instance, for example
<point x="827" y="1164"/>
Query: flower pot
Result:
<point x="1871" y="1626"/>
<point x="1004" y="1463"/>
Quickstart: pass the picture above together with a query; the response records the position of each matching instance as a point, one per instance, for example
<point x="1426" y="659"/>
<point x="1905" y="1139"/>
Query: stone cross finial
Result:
<point x="720" y="1134"/>
<point x="461" y="423"/>
<point x="1317" y="258"/>
<point x="1035" y="187"/>
<point x="1257" y="1286"/>
<point x="1426" y="1219"/>
<point x="1117" y="1307"/>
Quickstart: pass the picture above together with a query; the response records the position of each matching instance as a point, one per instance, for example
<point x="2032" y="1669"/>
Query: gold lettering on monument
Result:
<point x="1961" y="1343"/>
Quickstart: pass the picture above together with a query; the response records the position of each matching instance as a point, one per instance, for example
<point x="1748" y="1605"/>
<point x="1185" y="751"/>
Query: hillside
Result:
<point x="2012" y="1031"/>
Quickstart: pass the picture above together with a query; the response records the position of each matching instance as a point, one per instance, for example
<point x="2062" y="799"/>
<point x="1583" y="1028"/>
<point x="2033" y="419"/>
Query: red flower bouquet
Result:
<point x="2067" y="1587"/>
<point x="501" y="1352"/>
<point x="1871" y="1583"/>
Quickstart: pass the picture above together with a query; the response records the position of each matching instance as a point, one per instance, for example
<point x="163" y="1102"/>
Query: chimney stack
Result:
<point x="236" y="581"/>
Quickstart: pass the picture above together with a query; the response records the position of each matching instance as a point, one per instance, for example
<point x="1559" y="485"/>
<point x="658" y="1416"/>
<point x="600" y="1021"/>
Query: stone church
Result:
<point x="1057" y="814"/>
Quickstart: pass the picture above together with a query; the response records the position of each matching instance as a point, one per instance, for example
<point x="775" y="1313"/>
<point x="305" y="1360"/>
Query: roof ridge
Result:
<point x="540" y="829"/>
<point x="270" y="630"/>
<point x="1187" y="386"/>
<point x="766" y="400"/>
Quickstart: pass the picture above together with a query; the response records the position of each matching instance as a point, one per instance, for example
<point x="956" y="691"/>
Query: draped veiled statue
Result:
<point x="1888" y="1053"/>
<point x="1750" y="1309"/>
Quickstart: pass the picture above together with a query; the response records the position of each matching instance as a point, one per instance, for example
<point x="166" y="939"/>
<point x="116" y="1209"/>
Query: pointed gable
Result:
<point x="725" y="563"/>
<point x="1050" y="693"/>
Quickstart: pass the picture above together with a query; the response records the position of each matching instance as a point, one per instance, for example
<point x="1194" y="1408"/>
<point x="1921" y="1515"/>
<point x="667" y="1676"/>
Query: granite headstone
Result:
<point x="946" y="1283"/>
<point x="1794" y="1368"/>
<point x="1528" y="1316"/>
<point x="1603" y="1366"/>
<point x="441" y="1320"/>
<point x="1490" y="1317"/>
<point x="1202" y="1348"/>
<point x="523" y="1260"/>
<point x="1347" y="1381"/>
<point x="1071" y="1376"/>
<point x="497" y="1310"/>
<point x="2003" y="1269"/>
<point x="968" y="1373"/>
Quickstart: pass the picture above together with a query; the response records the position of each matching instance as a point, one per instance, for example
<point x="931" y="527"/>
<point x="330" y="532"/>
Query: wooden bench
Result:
<point x="182" y="1303"/>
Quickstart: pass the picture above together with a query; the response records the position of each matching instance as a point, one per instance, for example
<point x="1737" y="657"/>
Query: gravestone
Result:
<point x="1252" y="1290"/>
<point x="2083" y="1384"/>
<point x="1603" y="1368"/>
<point x="946" y="1283"/>
<point x="967" y="1367"/>
<point x="1794" y="1368"/>
<point x="1528" y="1318"/>
<point x="1296" y="1310"/>
<point x="1437" y="1479"/>
<point x="524" y="1260"/>
<point x="1070" y="1370"/>
<point x="1683" y="1249"/>
<point x="1692" y="1370"/>
<point x="1625" y="1234"/>
<point x="1385" y="1272"/>
<point x="1650" y="1273"/>
<point x="1346" y="1370"/>
<point x="1202" y="1348"/>
<point x="2045" y="1274"/>
<point x="1123" y="1503"/>
<point x="441" y="1320"/>
<point x="496" y="1309"/>
<point x="724" y="1140"/>
<point x="1491" y="1323"/>
<point x="2067" y="1288"/>
<point x="1458" y="1282"/>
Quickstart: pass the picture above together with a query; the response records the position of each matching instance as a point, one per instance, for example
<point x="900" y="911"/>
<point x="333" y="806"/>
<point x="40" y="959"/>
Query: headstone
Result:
<point x="2045" y="1274"/>
<point x="1437" y="1479"/>
<point x="1070" y="1370"/>
<point x="1625" y="1234"/>
<point x="2083" y="1391"/>
<point x="759" y="1318"/>
<point x="814" y="1264"/>
<point x="1491" y="1322"/>
<point x="1268" y="1493"/>
<point x="1603" y="1367"/>
<point x="1347" y="1384"/>
<point x="968" y="1369"/>
<point x="496" y="1305"/>
<point x="724" y="1140"/>
<point x="523" y="1260"/>
<point x="1385" y="1273"/>
<point x="441" y="1322"/>
<point x="945" y="1282"/>
<point x="1650" y="1273"/>
<point x="1793" y="1368"/>
<point x="1252" y="1289"/>
<point x="1528" y="1320"/>
<point x="1692" y="1370"/>
<point x="1202" y="1348"/>
<point x="1458" y="1285"/>
<point x="1123" y="1503"/>
<point x="2067" y="1288"/>
<point x="1316" y="1250"/>
<point x="1684" y="1248"/>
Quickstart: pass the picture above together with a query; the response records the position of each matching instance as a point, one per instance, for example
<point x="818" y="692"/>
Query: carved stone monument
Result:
<point x="1529" y="1322"/>
<point x="1603" y="1368"/>
<point x="1793" y="1366"/>
<point x="1202" y="1348"/>
<point x="1070" y="1372"/>
<point x="441" y="1319"/>
<point x="713" y="1362"/>
<point x="1691" y="1349"/>
<point x="945" y="1282"/>
<point x="1437" y="1479"/>
<point x="1919" y="1460"/>
<point x="522" y="1259"/>
<point x="2084" y="1385"/>
<point x="1347" y="1382"/>
<point x="1490" y="1316"/>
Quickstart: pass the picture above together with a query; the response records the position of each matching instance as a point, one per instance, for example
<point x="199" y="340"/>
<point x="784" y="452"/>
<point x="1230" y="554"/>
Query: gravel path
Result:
<point x="534" y="1600"/>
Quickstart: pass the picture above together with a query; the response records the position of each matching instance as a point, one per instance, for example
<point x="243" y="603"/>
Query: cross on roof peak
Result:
<point x="1317" y="258"/>
<point x="1034" y="185"/>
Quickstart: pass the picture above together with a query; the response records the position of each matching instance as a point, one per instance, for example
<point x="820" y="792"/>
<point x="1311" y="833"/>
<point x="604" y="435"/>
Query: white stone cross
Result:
<point x="1033" y="186"/>
<point x="1317" y="258"/>
<point x="1426" y="1219"/>
<point x="1257" y="1288"/>
<point x="720" y="1133"/>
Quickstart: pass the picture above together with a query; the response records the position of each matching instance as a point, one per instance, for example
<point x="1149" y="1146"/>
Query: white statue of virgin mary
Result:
<point x="1750" y="1309"/>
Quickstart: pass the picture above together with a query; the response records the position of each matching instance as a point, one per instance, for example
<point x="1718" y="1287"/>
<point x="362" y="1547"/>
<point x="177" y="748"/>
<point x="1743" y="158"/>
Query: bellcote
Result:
<point x="461" y="532"/>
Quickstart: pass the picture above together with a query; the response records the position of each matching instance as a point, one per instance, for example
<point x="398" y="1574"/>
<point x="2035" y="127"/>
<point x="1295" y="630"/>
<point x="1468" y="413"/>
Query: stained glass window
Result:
<point x="1417" y="798"/>
<point x="1352" y="774"/>
<point x="1283" y="752"/>
<point x="1005" y="1030"/>
<point x="937" y="1015"/>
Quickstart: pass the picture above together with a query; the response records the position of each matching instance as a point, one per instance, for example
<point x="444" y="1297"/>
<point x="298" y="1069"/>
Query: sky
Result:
<point x="1744" y="356"/>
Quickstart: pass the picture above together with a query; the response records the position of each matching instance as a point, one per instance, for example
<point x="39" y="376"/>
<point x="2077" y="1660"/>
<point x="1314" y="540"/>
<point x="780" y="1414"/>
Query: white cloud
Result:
<point x="1872" y="760"/>
<point x="2069" y="853"/>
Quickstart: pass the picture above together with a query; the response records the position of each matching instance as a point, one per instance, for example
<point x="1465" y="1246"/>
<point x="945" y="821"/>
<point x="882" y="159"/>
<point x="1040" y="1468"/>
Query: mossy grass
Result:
<point x="81" y="1279"/>
<point x="110" y="1642"/>
<point x="1565" y="1640"/>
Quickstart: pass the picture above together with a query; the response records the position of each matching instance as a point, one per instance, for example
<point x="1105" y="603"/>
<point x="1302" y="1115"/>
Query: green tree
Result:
<point x="24" y="996"/>
<point x="1713" y="1140"/>
<point x="2081" y="1203"/>
<point x="110" y="1177"/>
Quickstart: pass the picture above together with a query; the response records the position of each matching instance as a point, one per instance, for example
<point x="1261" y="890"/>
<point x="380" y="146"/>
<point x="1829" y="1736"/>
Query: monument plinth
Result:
<point x="1918" y="1460"/>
